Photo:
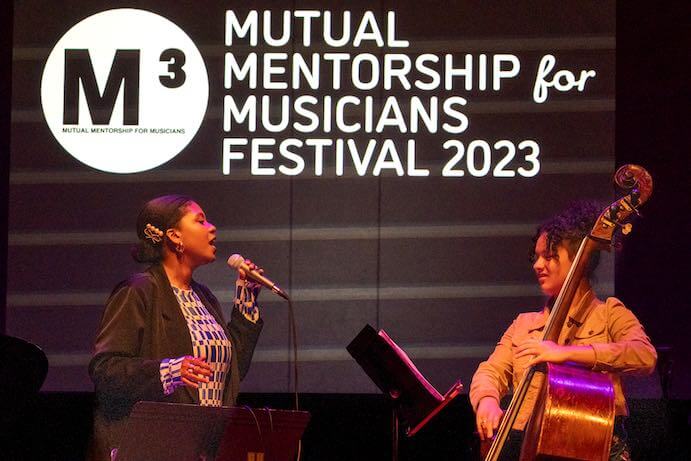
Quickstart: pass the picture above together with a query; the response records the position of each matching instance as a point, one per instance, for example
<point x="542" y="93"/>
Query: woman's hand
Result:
<point x="487" y="417"/>
<point x="251" y="284"/>
<point x="542" y="351"/>
<point x="548" y="351"/>
<point x="195" y="370"/>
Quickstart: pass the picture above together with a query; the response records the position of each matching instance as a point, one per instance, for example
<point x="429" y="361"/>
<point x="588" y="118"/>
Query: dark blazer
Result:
<point x="141" y="325"/>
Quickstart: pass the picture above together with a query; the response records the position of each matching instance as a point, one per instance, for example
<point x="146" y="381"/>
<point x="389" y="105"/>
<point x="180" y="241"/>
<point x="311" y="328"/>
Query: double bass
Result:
<point x="573" y="417"/>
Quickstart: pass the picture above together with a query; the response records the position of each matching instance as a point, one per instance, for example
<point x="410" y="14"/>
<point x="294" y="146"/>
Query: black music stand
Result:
<point x="415" y="400"/>
<point x="23" y="367"/>
<point x="165" y="431"/>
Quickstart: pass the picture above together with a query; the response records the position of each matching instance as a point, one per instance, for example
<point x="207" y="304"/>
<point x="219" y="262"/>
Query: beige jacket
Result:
<point x="612" y="330"/>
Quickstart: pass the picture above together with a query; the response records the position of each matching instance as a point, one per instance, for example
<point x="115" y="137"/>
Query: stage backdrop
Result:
<point x="385" y="162"/>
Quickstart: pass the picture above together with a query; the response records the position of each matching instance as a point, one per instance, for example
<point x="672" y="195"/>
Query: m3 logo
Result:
<point x="124" y="90"/>
<point x="79" y="73"/>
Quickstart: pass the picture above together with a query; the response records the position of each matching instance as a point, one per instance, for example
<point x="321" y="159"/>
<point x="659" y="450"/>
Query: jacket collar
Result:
<point x="580" y="310"/>
<point x="577" y="314"/>
<point x="539" y="320"/>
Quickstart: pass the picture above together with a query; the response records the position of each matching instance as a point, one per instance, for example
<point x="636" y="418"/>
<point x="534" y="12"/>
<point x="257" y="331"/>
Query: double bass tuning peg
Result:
<point x="635" y="197"/>
<point x="625" y="228"/>
<point x="614" y="212"/>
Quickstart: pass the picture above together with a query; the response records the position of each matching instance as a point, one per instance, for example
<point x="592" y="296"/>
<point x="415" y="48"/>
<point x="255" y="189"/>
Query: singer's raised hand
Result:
<point x="249" y="271"/>
<point x="246" y="288"/>
<point x="242" y="275"/>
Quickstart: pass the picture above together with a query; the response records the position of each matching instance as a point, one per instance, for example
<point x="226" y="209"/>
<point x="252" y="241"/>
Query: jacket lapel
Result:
<point x="177" y="332"/>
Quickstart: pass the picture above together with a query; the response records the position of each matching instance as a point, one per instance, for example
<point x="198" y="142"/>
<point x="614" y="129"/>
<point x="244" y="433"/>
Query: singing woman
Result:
<point x="163" y="336"/>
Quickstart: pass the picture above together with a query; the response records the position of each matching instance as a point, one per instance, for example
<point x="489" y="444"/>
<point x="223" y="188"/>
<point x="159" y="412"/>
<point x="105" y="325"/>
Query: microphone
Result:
<point x="236" y="261"/>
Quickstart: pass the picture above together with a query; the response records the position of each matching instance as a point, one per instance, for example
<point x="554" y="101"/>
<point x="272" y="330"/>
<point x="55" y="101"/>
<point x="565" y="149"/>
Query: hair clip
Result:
<point x="153" y="233"/>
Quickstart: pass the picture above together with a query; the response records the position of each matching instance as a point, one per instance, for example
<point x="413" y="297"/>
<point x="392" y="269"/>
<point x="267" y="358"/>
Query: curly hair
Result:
<point x="162" y="212"/>
<point x="568" y="229"/>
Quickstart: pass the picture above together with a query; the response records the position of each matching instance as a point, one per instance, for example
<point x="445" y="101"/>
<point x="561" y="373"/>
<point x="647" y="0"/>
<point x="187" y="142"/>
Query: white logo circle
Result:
<point x="124" y="90"/>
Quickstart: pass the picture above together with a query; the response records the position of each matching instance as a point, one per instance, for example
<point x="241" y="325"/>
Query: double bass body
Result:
<point x="573" y="417"/>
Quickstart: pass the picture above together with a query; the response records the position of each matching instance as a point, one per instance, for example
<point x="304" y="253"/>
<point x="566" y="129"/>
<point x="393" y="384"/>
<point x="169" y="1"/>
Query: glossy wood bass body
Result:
<point x="573" y="417"/>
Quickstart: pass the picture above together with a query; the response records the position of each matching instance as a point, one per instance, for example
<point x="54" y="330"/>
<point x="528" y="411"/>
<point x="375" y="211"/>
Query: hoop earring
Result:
<point x="180" y="248"/>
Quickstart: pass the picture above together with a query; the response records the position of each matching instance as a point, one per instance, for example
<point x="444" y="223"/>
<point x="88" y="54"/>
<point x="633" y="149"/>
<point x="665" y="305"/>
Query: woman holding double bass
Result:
<point x="598" y="335"/>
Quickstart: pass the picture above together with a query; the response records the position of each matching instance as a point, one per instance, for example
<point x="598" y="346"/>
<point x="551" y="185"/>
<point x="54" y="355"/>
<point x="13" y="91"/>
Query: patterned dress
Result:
<point x="209" y="341"/>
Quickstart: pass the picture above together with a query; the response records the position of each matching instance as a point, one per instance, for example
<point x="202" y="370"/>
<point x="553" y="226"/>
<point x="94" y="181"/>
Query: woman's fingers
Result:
<point x="526" y="352"/>
<point x="189" y="383"/>
<point x="252" y="267"/>
<point x="195" y="370"/>
<point x="525" y="349"/>
<point x="480" y="426"/>
<point x="198" y="371"/>
<point x="530" y="346"/>
<point x="200" y="365"/>
<point x="541" y="351"/>
<point x="196" y="375"/>
<point x="489" y="432"/>
<point x="491" y="425"/>
<point x="486" y="426"/>
<point x="488" y="417"/>
<point x="535" y="356"/>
